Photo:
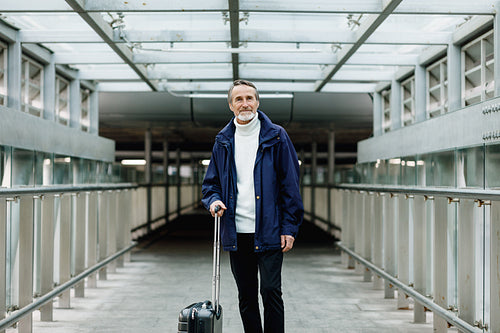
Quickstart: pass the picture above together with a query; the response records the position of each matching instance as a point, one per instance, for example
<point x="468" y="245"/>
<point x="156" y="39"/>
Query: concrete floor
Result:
<point x="165" y="275"/>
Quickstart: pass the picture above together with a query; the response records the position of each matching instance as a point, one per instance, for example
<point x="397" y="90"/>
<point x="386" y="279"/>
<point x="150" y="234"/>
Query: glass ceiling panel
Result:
<point x="79" y="48"/>
<point x="422" y="23"/>
<point x="173" y="21"/>
<point x="47" y="21"/>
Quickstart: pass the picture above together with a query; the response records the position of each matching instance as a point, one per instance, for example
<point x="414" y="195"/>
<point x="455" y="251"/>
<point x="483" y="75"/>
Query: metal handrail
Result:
<point x="18" y="315"/>
<point x="466" y="193"/>
<point x="449" y="316"/>
<point x="13" y="191"/>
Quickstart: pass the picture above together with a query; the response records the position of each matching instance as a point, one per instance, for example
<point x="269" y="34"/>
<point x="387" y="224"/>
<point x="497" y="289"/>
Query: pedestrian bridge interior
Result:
<point x="108" y="114"/>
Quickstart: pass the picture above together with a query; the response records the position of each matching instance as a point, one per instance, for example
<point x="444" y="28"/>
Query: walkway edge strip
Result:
<point x="16" y="316"/>
<point x="449" y="316"/>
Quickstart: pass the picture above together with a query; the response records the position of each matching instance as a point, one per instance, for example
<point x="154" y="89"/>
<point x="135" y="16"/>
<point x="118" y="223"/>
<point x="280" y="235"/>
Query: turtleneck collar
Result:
<point x="248" y="129"/>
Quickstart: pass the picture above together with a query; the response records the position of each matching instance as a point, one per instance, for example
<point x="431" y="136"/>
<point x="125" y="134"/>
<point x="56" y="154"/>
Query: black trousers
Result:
<point x="245" y="264"/>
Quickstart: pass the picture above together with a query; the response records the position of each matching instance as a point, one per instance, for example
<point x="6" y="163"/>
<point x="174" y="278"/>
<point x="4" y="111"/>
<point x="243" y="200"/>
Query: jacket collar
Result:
<point x="268" y="130"/>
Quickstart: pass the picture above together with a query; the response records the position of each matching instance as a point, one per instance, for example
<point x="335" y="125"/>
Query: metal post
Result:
<point x="121" y="224"/>
<point x="3" y="253"/>
<point x="81" y="201"/>
<point x="403" y="249"/>
<point x="75" y="104"/>
<point x="358" y="225"/>
<point x="440" y="261"/>
<point x="92" y="238"/>
<point x="454" y="77"/>
<point x="377" y="234"/>
<point x="49" y="83"/>
<point x="331" y="176"/>
<point x="367" y="245"/>
<point x="496" y="46"/>
<point x="103" y="231"/>
<point x="351" y="226"/>
<point x="148" y="175"/>
<point x="396" y="111"/>
<point x="389" y="243"/>
<point x="112" y="210"/>
<point x="378" y="116"/>
<point x="14" y="77"/>
<point x="344" y="213"/>
<point x="178" y="163"/>
<point x="495" y="267"/>
<point x="419" y="255"/>
<point x="165" y="177"/>
<point x="65" y="247"/>
<point x="94" y="112"/>
<point x="466" y="253"/>
<point x="127" y="226"/>
<point x="47" y="250"/>
<point x="420" y="91"/>
<point x="314" y="166"/>
<point x="26" y="235"/>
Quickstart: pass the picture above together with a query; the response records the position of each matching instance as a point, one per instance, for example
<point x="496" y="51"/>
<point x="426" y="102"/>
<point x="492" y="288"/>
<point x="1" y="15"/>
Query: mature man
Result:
<point x="254" y="177"/>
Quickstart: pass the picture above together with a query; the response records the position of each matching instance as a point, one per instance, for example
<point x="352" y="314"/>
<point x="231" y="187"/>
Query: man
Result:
<point x="253" y="176"/>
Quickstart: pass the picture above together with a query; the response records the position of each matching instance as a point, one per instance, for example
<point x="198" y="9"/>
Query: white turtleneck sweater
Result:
<point x="246" y="143"/>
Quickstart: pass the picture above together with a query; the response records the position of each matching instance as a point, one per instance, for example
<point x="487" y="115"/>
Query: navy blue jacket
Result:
<point x="278" y="204"/>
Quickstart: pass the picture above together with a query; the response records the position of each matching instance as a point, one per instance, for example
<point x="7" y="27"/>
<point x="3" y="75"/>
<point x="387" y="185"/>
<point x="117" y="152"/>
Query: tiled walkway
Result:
<point x="175" y="270"/>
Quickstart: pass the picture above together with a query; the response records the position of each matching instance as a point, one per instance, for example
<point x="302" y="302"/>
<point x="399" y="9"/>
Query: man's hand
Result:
<point x="286" y="243"/>
<point x="215" y="204"/>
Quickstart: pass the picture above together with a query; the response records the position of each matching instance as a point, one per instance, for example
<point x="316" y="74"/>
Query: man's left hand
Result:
<point x="286" y="243"/>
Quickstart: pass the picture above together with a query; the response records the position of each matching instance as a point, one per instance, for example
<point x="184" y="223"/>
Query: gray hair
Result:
<point x="241" y="83"/>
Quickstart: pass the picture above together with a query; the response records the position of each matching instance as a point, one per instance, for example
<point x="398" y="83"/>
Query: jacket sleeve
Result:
<point x="211" y="187"/>
<point x="290" y="200"/>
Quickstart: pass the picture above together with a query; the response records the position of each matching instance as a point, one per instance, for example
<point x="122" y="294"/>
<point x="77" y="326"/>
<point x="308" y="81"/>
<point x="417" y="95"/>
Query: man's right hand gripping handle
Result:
<point x="221" y="208"/>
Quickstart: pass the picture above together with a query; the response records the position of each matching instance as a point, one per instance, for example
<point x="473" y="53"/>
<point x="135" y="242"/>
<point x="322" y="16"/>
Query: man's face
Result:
<point x="244" y="103"/>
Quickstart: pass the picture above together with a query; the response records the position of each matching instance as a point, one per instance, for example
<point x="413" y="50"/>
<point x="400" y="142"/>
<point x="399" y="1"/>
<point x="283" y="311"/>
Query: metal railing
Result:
<point x="56" y="236"/>
<point x="438" y="246"/>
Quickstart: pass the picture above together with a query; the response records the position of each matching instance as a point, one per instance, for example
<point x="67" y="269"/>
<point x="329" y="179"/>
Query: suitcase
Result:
<point x="206" y="317"/>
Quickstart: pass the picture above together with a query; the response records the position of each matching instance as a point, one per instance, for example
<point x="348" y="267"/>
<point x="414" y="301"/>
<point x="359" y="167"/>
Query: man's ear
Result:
<point x="230" y="107"/>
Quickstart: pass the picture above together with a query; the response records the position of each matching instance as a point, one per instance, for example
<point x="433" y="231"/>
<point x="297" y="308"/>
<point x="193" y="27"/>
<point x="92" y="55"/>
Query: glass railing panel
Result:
<point x="491" y="166"/>
<point x="470" y="167"/>
<point x="439" y="169"/>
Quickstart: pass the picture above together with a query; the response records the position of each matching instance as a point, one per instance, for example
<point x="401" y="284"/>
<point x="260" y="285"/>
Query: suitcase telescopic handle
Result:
<point x="216" y="264"/>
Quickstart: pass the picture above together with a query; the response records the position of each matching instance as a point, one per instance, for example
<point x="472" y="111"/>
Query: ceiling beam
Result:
<point x="249" y="35"/>
<point x="364" y="32"/>
<point x="234" y="20"/>
<point x="102" y="28"/>
<point x="459" y="7"/>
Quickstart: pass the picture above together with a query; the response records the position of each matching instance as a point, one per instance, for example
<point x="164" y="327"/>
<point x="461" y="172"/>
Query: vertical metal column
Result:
<point x="121" y="224"/>
<point x="165" y="177"/>
<point x="3" y="261"/>
<point x="331" y="175"/>
<point x="344" y="223"/>
<point x="466" y="262"/>
<point x="346" y="226"/>
<point x="314" y="166"/>
<point x="47" y="250"/>
<point x="80" y="232"/>
<point x="396" y="112"/>
<point x="367" y="244"/>
<point x="358" y="228"/>
<point x="92" y="237"/>
<point x="112" y="224"/>
<point x="440" y="275"/>
<point x="377" y="234"/>
<point x="389" y="243"/>
<point x="127" y="223"/>
<point x="419" y="255"/>
<point x="75" y="104"/>
<point x="65" y="248"/>
<point x="148" y="152"/>
<point x="496" y="50"/>
<point x="94" y="112"/>
<point x="14" y="70"/>
<point x="454" y="66"/>
<point x="103" y="231"/>
<point x="403" y="249"/>
<point x="26" y="234"/>
<point x="495" y="268"/>
<point x="49" y="83"/>
<point x="377" y="114"/>
<point x="420" y="91"/>
<point x="352" y="225"/>
<point x="178" y="182"/>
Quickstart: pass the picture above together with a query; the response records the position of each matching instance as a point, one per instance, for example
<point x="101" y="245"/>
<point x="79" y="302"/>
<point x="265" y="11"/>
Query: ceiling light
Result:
<point x="133" y="162"/>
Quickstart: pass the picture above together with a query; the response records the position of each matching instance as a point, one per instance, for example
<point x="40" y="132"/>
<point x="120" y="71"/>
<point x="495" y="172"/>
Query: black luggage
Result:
<point x="206" y="317"/>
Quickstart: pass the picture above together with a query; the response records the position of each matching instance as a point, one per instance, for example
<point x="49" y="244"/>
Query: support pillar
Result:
<point x="81" y="203"/>
<point x="389" y="242"/>
<point x="378" y="116"/>
<point x="14" y="78"/>
<point x="314" y="166"/>
<point x="495" y="267"/>
<point x="420" y="92"/>
<point x="466" y="253"/>
<point x="419" y="255"/>
<point x="26" y="234"/>
<point x="403" y="249"/>
<point x="148" y="156"/>
<point x="103" y="231"/>
<point x="165" y="177"/>
<point x="178" y="181"/>
<point x="454" y="65"/>
<point x="75" y="105"/>
<point x="396" y="111"/>
<point x="47" y="258"/>
<point x="92" y="237"/>
<point x="377" y="232"/>
<point x="367" y="244"/>
<point x="440" y="275"/>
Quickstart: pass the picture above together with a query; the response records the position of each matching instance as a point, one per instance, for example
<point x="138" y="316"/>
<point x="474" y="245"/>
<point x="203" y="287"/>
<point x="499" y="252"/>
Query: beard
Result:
<point x="246" y="115"/>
